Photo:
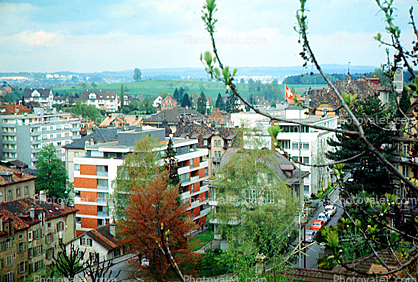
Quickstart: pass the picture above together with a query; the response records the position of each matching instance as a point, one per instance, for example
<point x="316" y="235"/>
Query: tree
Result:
<point x="377" y="222"/>
<point x="219" y="104"/>
<point x="185" y="101"/>
<point x="121" y="96"/>
<point x="137" y="74"/>
<point x="87" y="111"/>
<point x="176" y="95"/>
<point x="170" y="164"/>
<point x="156" y="226"/>
<point x="367" y="172"/>
<point x="51" y="175"/>
<point x="231" y="103"/>
<point x="201" y="103"/>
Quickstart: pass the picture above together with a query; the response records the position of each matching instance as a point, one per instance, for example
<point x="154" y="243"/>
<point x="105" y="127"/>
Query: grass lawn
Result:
<point x="202" y="239"/>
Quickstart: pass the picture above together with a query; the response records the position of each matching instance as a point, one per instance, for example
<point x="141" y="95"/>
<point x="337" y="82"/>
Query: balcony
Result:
<point x="102" y="187"/>
<point x="104" y="214"/>
<point x="101" y="200"/>
<point x="76" y="137"/>
<point x="75" y="129"/>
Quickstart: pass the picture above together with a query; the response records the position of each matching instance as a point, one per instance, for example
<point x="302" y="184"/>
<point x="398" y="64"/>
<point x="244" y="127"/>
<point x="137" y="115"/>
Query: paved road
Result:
<point x="314" y="248"/>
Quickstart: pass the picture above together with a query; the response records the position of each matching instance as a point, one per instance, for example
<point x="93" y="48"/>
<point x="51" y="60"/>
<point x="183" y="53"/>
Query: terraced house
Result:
<point x="30" y="233"/>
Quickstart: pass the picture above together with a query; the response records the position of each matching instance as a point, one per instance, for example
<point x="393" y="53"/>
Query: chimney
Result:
<point x="91" y="141"/>
<point x="42" y="196"/>
<point x="32" y="213"/>
<point x="112" y="229"/>
<point x="62" y="205"/>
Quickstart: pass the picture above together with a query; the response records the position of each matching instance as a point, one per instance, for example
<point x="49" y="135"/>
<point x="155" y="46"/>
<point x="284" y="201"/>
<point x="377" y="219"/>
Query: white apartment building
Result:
<point x="23" y="136"/>
<point x="303" y="144"/>
<point x="95" y="174"/>
<point x="103" y="100"/>
<point x="43" y="96"/>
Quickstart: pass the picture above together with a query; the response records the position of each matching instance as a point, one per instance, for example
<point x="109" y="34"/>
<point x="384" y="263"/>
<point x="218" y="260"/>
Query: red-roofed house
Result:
<point x="14" y="109"/>
<point x="168" y="103"/>
<point x="30" y="232"/>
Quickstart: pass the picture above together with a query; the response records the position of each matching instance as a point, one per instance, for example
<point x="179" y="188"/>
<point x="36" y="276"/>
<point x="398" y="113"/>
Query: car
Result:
<point x="310" y="235"/>
<point x="324" y="216"/>
<point x="330" y="209"/>
<point x="317" y="224"/>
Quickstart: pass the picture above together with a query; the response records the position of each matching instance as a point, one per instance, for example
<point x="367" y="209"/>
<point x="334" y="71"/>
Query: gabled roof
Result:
<point x="110" y="120"/>
<point x="283" y="168"/>
<point x="12" y="109"/>
<point x="202" y="132"/>
<point x="102" y="135"/>
<point x="19" y="211"/>
<point x="133" y="120"/>
<point x="100" y="94"/>
<point x="11" y="176"/>
<point x="174" y="116"/>
<point x="44" y="92"/>
<point x="102" y="236"/>
<point x="363" y="87"/>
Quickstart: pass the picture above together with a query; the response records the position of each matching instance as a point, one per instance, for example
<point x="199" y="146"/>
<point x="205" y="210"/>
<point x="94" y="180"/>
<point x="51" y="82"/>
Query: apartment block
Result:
<point x="23" y="136"/>
<point x="94" y="176"/>
<point x="30" y="234"/>
<point x="103" y="100"/>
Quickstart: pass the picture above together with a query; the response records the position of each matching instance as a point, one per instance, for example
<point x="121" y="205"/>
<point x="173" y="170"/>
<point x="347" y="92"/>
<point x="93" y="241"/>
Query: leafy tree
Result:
<point x="51" y="175"/>
<point x="147" y="107"/>
<point x="87" y="111"/>
<point x="137" y="74"/>
<point x="155" y="226"/>
<point x="219" y="104"/>
<point x="201" y="103"/>
<point x="170" y="164"/>
<point x="185" y="101"/>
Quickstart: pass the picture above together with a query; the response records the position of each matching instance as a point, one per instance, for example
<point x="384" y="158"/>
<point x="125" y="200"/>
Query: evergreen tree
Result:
<point x="176" y="95"/>
<point x="201" y="103"/>
<point x="368" y="173"/>
<point x="51" y="176"/>
<point x="185" y="101"/>
<point x="181" y="93"/>
<point x="220" y="102"/>
<point x="121" y="96"/>
<point x="231" y="103"/>
<point x="170" y="164"/>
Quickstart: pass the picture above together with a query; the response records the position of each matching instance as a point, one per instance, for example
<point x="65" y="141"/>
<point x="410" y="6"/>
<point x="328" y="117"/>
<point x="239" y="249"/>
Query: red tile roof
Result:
<point x="11" y="176"/>
<point x="19" y="109"/>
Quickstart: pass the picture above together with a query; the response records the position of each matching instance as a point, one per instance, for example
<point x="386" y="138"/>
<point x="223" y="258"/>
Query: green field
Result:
<point x="152" y="88"/>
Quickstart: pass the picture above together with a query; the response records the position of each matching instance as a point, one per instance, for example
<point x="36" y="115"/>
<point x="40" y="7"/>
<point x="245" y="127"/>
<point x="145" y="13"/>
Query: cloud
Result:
<point x="38" y="38"/>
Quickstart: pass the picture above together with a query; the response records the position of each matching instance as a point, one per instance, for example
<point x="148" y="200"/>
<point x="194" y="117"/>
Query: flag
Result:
<point x="289" y="93"/>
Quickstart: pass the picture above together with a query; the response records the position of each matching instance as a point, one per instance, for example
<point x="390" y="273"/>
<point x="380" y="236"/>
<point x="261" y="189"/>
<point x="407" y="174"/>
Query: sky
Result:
<point x="95" y="36"/>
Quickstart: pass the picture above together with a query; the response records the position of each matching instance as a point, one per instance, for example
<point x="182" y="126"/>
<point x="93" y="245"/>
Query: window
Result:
<point x="21" y="247"/>
<point x="206" y="171"/>
<point x="9" y="195"/>
<point x="217" y="154"/>
<point x="86" y="241"/>
<point x="295" y="146"/>
<point x="205" y="142"/>
<point x="252" y="195"/>
<point x="9" y="260"/>
<point x="26" y="190"/>
<point x="102" y="184"/>
<point x="305" y="146"/>
<point x="306" y="188"/>
<point x="76" y="155"/>
<point x="270" y="196"/>
<point x="77" y="167"/>
<point x="60" y="226"/>
<point x="102" y="170"/>
<point x="30" y="236"/>
<point x="94" y="257"/>
<point x="405" y="170"/>
<point x="306" y="160"/>
<point x="285" y="144"/>
<point x="1" y="196"/>
<point x="191" y="189"/>
<point x="8" y="244"/>
<point x="217" y="143"/>
<point x="21" y="267"/>
<point x="17" y="192"/>
<point x="406" y="149"/>
<point x="49" y="253"/>
<point x="48" y="238"/>
<point x="38" y="265"/>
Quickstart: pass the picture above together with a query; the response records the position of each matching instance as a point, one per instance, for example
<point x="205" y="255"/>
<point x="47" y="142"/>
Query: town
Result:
<point x="170" y="175"/>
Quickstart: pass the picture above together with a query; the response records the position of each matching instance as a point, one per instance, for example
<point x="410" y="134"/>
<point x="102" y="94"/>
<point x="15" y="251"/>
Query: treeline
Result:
<point x="318" y="79"/>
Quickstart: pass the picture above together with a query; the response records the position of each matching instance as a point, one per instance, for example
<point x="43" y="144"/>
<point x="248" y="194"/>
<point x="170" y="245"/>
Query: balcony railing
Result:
<point x="102" y="173"/>
<point x="103" y="187"/>
<point x="102" y="214"/>
<point x="101" y="200"/>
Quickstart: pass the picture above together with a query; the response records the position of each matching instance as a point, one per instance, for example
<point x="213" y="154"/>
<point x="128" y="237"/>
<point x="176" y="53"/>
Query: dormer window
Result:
<point x="92" y="96"/>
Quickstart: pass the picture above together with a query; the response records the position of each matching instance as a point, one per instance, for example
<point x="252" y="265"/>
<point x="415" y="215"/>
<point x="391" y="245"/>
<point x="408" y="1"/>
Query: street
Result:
<point x="313" y="250"/>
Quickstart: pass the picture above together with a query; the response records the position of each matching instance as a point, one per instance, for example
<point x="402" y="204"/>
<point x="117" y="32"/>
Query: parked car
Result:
<point x="317" y="224"/>
<point x="310" y="235"/>
<point x="330" y="209"/>
<point x="324" y="216"/>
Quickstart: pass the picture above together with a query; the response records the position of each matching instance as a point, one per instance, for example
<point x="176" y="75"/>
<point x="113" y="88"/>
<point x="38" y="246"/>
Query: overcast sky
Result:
<point x="90" y="36"/>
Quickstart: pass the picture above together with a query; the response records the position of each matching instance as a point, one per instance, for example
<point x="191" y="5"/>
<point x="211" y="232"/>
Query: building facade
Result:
<point x="30" y="234"/>
<point x="103" y="100"/>
<point x="15" y="184"/>
<point x="168" y="103"/>
<point x="23" y="136"/>
<point x="43" y="96"/>
<point x="95" y="174"/>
